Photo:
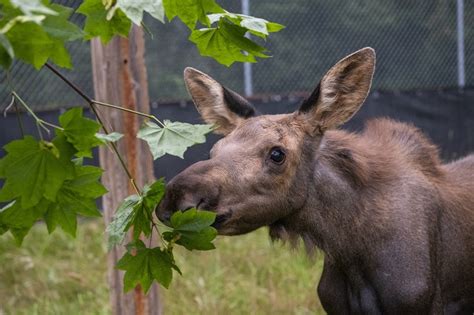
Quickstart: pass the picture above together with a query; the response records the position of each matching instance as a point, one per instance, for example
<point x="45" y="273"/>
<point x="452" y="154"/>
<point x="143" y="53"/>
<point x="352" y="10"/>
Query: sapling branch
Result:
<point x="39" y="122"/>
<point x="20" y="122"/>
<point x="91" y="104"/>
<point x="150" y="116"/>
<point x="155" y="226"/>
<point x="12" y="102"/>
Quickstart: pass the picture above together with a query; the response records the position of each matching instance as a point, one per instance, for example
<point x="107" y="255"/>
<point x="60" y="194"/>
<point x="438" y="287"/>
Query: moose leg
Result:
<point x="332" y="290"/>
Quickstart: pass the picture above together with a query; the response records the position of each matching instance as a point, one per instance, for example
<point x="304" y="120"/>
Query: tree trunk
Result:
<point x="120" y="78"/>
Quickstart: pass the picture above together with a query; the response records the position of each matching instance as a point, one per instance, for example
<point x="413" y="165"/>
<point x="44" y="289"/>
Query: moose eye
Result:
<point x="277" y="155"/>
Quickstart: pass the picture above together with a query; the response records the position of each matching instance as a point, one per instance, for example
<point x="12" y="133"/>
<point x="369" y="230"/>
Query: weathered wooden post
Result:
<point x="120" y="78"/>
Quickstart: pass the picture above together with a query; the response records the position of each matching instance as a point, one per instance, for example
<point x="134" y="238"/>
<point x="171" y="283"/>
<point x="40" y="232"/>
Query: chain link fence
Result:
<point x="415" y="41"/>
<point x="41" y="89"/>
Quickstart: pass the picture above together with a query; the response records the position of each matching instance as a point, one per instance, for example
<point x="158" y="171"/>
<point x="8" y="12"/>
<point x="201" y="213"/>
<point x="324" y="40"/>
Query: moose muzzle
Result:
<point x="196" y="187"/>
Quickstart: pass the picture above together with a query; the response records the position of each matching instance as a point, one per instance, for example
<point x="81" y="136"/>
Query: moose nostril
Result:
<point x="164" y="216"/>
<point x="201" y="201"/>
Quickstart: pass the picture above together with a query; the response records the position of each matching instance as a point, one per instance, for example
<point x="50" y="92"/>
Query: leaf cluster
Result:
<point x="48" y="180"/>
<point x="191" y="229"/>
<point x="36" y="31"/>
<point x="45" y="180"/>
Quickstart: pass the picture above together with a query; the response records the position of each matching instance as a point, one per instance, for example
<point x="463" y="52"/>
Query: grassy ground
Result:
<point x="245" y="275"/>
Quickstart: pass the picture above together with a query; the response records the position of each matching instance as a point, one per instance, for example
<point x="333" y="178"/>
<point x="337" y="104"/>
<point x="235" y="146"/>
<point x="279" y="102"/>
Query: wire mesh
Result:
<point x="41" y="89"/>
<point x="415" y="43"/>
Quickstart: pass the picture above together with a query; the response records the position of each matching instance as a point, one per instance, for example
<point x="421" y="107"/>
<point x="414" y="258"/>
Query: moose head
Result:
<point x="259" y="173"/>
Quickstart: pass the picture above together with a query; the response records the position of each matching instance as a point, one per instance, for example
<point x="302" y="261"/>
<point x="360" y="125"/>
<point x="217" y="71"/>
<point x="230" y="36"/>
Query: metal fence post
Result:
<point x="248" y="84"/>
<point x="460" y="43"/>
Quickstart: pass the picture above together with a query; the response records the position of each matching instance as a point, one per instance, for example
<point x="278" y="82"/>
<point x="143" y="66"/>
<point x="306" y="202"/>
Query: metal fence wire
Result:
<point x="416" y="44"/>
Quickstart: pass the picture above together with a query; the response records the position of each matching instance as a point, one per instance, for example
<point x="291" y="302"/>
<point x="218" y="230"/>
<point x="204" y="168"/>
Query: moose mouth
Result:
<point x="221" y="219"/>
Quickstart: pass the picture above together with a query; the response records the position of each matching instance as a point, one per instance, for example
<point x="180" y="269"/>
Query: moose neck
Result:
<point x="343" y="168"/>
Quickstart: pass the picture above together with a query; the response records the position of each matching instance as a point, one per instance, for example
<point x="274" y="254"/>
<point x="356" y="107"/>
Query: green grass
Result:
<point x="245" y="275"/>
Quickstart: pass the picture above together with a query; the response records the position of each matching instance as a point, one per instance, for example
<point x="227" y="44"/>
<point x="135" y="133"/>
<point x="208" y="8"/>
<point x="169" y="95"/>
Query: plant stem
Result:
<point x="28" y="109"/>
<point x="18" y="116"/>
<point x="20" y="123"/>
<point x="91" y="104"/>
<point x="39" y="122"/>
<point x="150" y="116"/>
<point x="51" y="125"/>
<point x="163" y="242"/>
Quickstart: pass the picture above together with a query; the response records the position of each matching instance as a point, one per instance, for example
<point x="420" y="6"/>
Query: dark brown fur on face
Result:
<point x="395" y="224"/>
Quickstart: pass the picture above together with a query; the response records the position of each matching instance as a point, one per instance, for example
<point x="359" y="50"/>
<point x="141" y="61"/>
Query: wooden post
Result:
<point x="120" y="78"/>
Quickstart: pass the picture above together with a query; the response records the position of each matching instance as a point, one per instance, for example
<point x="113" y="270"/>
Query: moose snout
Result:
<point x="192" y="188"/>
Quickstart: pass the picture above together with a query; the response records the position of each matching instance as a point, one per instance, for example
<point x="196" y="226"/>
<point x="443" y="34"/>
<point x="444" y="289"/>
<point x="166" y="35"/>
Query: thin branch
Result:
<point x="150" y="116"/>
<point x="163" y="242"/>
<point x="12" y="102"/>
<point x="71" y="84"/>
<point x="17" y="110"/>
<point x="91" y="104"/>
<point x="39" y="122"/>
<point x="20" y="122"/>
<point x="150" y="239"/>
<point x="39" y="131"/>
<point x="23" y="103"/>
<point x="51" y="125"/>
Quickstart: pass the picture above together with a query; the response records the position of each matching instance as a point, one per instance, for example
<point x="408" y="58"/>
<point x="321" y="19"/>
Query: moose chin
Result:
<point x="396" y="225"/>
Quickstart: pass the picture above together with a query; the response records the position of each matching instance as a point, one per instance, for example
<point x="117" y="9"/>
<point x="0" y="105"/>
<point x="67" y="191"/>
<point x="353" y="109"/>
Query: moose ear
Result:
<point x="341" y="92"/>
<point x="217" y="105"/>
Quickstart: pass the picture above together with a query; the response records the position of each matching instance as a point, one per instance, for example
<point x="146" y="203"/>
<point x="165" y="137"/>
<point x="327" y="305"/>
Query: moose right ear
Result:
<point x="340" y="93"/>
<point x="217" y="105"/>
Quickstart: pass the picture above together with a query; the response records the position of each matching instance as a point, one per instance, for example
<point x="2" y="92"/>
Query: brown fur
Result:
<point x="395" y="224"/>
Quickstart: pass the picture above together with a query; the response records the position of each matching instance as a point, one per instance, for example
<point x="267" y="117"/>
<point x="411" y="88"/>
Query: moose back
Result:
<point x="396" y="225"/>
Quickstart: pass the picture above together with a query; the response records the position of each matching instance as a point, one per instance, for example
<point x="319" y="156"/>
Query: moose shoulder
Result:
<point x="396" y="225"/>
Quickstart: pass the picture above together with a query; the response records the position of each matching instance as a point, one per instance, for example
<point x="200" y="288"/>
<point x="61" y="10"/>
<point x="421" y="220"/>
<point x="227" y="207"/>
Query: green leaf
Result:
<point x="20" y="220"/>
<point x="142" y="265"/>
<point x="133" y="9"/>
<point x="14" y="216"/>
<point x="80" y="131"/>
<point x="33" y="170"/>
<point x="111" y="137"/>
<point x="191" y="11"/>
<point x="6" y="52"/>
<point x="32" y="7"/>
<point x="63" y="217"/>
<point x="192" y="229"/>
<point x="226" y="43"/>
<point x="136" y="211"/>
<point x="37" y="38"/>
<point x="152" y="194"/>
<point x="254" y="25"/>
<point x="119" y="226"/>
<point x="58" y="25"/>
<point x="97" y="25"/>
<point x="19" y="235"/>
<point x="3" y="229"/>
<point x="192" y="220"/>
<point x="174" y="138"/>
<point x="274" y="27"/>
<point x="37" y="49"/>
<point x="86" y="182"/>
<point x="143" y="211"/>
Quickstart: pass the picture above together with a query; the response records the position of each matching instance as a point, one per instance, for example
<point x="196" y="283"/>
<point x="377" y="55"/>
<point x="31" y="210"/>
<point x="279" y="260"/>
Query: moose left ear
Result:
<point x="341" y="92"/>
<point x="217" y="104"/>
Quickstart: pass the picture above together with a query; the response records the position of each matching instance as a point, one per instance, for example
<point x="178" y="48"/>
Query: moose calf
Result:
<point x="395" y="224"/>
